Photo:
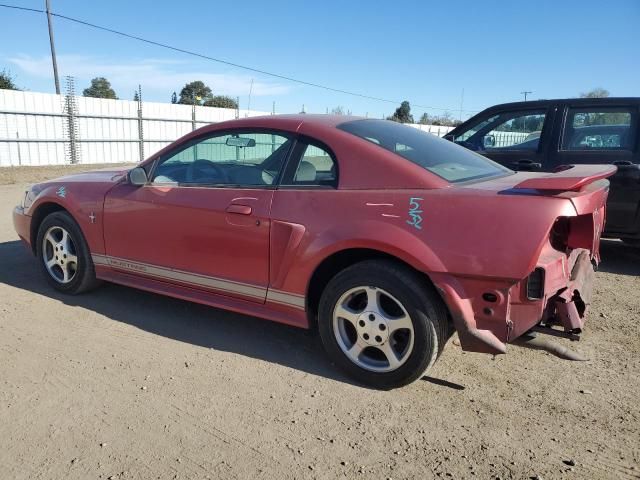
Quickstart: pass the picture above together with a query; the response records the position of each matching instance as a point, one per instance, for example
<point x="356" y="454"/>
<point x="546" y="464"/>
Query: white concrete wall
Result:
<point x="161" y="125"/>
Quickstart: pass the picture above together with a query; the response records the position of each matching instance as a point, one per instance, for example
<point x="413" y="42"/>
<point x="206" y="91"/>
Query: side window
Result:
<point x="505" y="131"/>
<point x="515" y="131"/>
<point x="232" y="159"/>
<point x="464" y="136"/>
<point x="598" y="129"/>
<point x="316" y="167"/>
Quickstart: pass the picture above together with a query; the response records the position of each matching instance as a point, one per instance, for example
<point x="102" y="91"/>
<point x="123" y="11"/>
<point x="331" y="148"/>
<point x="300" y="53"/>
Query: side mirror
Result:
<point x="489" y="141"/>
<point x="138" y="176"/>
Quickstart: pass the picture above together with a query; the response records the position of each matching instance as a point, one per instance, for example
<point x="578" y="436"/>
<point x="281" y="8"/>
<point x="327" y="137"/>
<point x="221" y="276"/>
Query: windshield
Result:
<point x="441" y="157"/>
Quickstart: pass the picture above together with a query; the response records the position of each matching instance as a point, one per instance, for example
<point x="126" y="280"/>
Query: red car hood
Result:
<point x="104" y="175"/>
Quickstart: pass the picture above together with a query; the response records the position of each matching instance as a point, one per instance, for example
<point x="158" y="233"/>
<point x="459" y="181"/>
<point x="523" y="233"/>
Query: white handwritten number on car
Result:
<point x="415" y="212"/>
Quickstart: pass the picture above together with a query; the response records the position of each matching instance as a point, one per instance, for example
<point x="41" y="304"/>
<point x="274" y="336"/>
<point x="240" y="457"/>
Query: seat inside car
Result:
<point x="306" y="172"/>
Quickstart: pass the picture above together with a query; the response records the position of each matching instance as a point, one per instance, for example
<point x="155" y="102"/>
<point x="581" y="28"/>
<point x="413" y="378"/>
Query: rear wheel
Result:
<point x="64" y="255"/>
<point x="382" y="323"/>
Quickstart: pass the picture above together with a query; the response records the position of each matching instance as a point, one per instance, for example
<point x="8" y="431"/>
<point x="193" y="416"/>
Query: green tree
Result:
<point x="339" y="110"/>
<point x="444" y="120"/>
<point x="595" y="93"/>
<point x="195" y="92"/>
<point x="174" y="98"/>
<point x="100" y="88"/>
<point x="6" y="81"/>
<point x="221" y="101"/>
<point x="136" y="97"/>
<point x="402" y="113"/>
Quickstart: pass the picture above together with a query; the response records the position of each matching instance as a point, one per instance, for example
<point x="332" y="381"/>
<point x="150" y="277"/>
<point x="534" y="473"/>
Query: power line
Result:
<point x="224" y="62"/>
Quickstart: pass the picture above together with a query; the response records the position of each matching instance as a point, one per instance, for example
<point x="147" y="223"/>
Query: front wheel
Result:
<point x="64" y="255"/>
<point x="382" y="323"/>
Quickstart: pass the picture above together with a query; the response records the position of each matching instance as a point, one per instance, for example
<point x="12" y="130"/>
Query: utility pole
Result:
<point x="249" y="103"/>
<point x="525" y="93"/>
<point x="53" y="48"/>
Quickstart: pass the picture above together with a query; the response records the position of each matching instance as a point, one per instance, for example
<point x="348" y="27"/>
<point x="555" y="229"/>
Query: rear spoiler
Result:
<point x="571" y="178"/>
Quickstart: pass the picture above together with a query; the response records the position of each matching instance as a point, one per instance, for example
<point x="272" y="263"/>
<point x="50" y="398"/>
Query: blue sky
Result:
<point x="425" y="52"/>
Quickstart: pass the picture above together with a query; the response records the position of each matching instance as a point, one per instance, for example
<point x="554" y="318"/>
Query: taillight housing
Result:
<point x="535" y="284"/>
<point x="559" y="235"/>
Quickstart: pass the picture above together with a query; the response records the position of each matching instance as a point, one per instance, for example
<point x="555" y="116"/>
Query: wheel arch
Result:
<point x="39" y="214"/>
<point x="338" y="261"/>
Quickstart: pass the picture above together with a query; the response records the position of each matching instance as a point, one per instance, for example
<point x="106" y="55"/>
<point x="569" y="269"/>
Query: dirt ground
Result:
<point x="123" y="384"/>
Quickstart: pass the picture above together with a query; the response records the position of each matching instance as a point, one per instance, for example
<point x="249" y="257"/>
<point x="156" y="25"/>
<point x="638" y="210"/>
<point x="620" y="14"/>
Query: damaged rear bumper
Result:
<point x="488" y="314"/>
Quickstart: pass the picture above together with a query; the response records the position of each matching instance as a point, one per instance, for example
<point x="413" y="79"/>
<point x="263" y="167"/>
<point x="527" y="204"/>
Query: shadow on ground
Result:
<point x="184" y="321"/>
<point x="619" y="258"/>
<point x="177" y="319"/>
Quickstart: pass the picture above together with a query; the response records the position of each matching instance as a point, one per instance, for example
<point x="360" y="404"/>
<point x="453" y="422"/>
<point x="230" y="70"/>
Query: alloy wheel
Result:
<point x="373" y="329"/>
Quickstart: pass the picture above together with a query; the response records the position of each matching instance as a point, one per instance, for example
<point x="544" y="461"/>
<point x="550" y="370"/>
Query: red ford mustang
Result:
<point x="385" y="237"/>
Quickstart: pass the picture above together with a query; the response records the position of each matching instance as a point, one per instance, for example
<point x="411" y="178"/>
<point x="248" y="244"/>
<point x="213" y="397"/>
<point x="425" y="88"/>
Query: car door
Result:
<point x="596" y="134"/>
<point x="202" y="220"/>
<point x="516" y="138"/>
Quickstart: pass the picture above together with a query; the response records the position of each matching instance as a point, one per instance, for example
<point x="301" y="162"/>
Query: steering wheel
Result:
<point x="195" y="169"/>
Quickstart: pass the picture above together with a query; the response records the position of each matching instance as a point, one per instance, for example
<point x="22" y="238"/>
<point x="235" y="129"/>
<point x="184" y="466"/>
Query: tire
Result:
<point x="52" y="245"/>
<point x="390" y="315"/>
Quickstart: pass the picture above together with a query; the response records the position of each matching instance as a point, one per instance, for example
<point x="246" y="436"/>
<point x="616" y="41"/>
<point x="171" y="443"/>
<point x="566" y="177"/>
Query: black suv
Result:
<point x="541" y="135"/>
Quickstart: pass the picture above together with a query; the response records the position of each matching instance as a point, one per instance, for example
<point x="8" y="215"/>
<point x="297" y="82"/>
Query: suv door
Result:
<point x="602" y="135"/>
<point x="516" y="139"/>
<point x="203" y="219"/>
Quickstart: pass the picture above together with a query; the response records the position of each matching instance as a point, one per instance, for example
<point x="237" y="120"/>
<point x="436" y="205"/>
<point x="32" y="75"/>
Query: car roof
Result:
<point x="290" y="122"/>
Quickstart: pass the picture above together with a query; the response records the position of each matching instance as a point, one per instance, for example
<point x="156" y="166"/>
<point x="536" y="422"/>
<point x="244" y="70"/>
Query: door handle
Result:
<point x="239" y="209"/>
<point x="623" y="163"/>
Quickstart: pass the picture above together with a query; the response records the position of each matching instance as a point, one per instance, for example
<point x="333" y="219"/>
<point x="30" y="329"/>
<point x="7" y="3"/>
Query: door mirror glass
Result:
<point x="138" y="176"/>
<point x="489" y="141"/>
<point x="240" y="142"/>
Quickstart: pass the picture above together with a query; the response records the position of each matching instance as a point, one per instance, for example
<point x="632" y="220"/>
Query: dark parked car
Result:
<point x="543" y="135"/>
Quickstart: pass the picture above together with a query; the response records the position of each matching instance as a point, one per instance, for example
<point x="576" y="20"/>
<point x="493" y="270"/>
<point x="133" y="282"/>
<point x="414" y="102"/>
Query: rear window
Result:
<point x="441" y="157"/>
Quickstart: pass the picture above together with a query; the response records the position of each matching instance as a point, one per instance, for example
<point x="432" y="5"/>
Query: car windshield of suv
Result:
<point x="441" y="157"/>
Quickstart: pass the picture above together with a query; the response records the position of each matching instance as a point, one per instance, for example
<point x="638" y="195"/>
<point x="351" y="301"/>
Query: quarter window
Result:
<point x="598" y="129"/>
<point x="239" y="159"/>
<point x="316" y="167"/>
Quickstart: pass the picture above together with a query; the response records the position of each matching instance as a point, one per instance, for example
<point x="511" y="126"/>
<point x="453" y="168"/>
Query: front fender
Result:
<point x="83" y="203"/>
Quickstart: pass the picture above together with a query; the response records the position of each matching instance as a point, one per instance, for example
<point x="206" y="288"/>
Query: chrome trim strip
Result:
<point x="180" y="276"/>
<point x="277" y="296"/>
<point x="286" y="298"/>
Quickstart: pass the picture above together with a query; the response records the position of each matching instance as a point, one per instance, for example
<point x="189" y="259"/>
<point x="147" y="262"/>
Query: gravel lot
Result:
<point x="121" y="384"/>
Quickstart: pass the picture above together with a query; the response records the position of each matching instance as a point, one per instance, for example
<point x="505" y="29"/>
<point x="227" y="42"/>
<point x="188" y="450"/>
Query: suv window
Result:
<point x="316" y="167"/>
<point x="518" y="130"/>
<point x="598" y="129"/>
<point x="242" y="158"/>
